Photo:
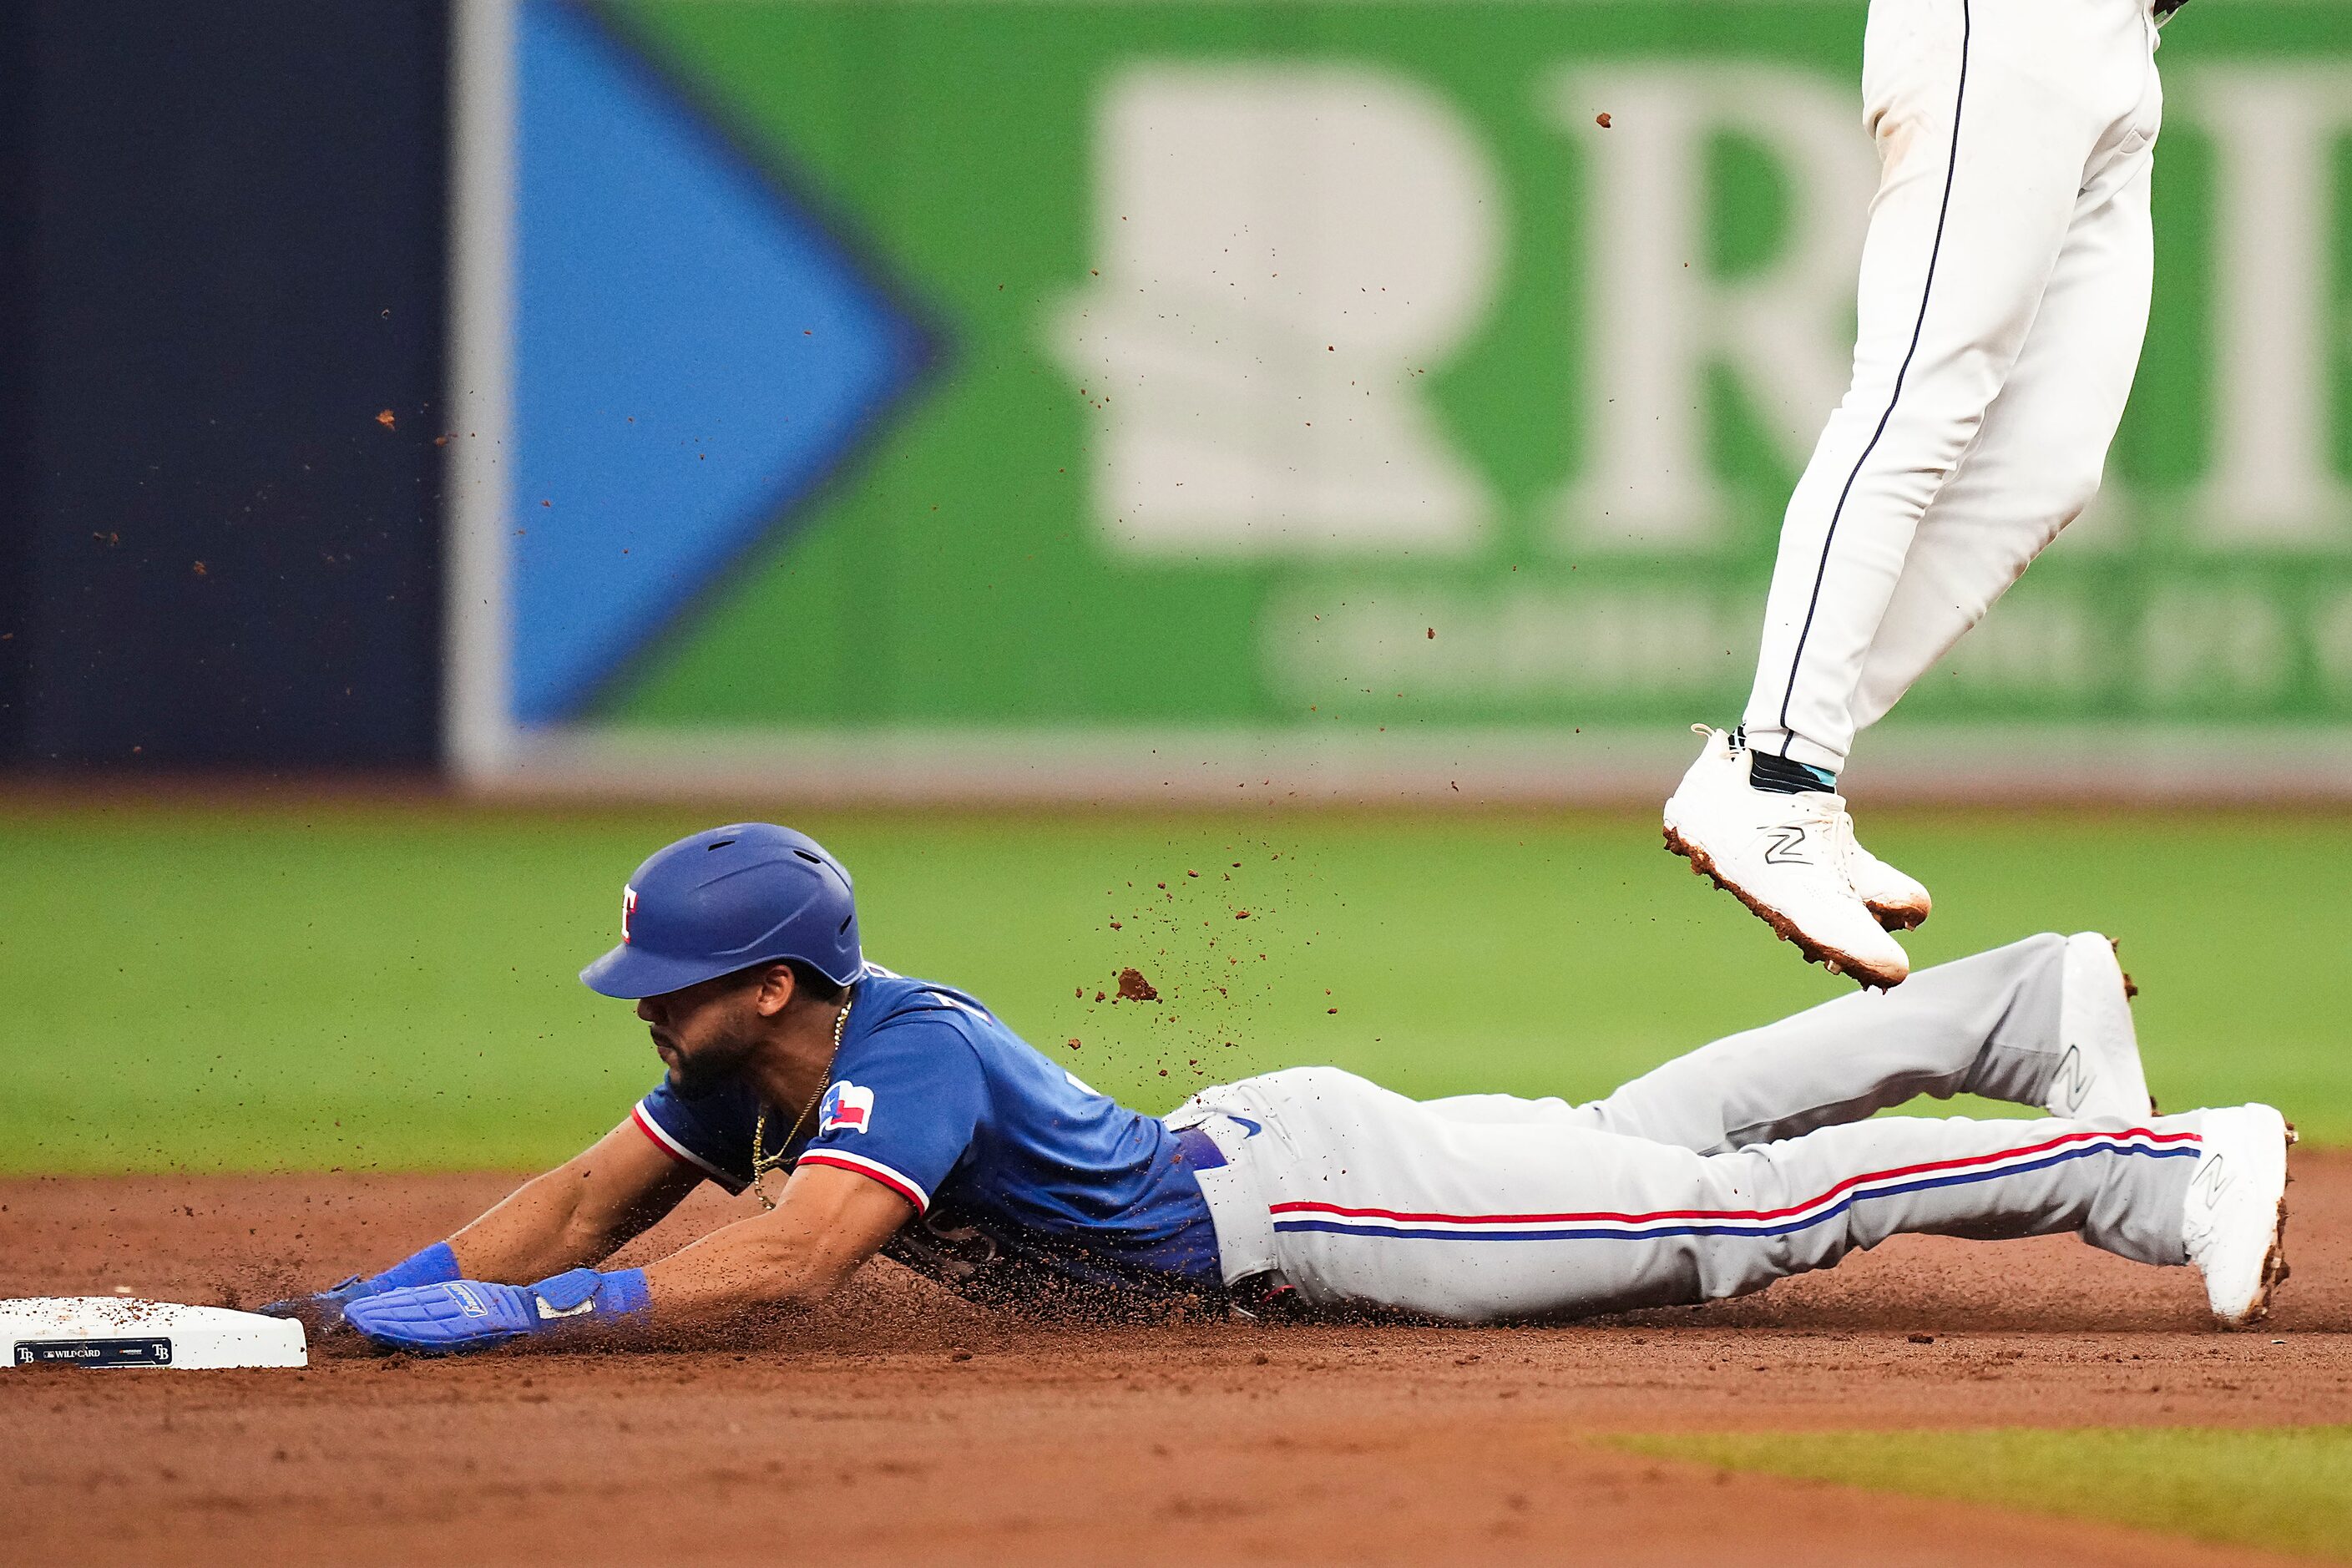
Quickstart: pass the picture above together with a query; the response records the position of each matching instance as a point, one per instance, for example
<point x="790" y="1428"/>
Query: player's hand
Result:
<point x="321" y="1313"/>
<point x="462" y="1315"/>
<point x="468" y="1314"/>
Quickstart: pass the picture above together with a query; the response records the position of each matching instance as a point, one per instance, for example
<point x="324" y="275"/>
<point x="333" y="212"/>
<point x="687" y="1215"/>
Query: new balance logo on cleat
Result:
<point x="2212" y="1182"/>
<point x="2070" y="1084"/>
<point x="1788" y="841"/>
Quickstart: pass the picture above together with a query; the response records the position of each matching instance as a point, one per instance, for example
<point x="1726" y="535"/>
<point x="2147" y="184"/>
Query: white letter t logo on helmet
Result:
<point x="628" y="908"/>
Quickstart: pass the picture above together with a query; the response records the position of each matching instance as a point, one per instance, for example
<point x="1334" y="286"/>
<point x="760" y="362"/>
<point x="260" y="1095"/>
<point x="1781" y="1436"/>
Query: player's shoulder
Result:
<point x="888" y="1004"/>
<point x="881" y="995"/>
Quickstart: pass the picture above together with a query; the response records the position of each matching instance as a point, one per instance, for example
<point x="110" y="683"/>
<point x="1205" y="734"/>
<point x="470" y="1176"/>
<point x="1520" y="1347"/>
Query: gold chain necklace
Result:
<point x="761" y="1161"/>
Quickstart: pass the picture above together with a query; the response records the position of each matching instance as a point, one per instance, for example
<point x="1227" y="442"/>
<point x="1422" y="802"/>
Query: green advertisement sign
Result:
<point x="1310" y="369"/>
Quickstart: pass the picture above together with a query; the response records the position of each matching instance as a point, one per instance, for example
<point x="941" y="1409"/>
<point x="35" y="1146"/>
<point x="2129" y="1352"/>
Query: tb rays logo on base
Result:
<point x="846" y="1106"/>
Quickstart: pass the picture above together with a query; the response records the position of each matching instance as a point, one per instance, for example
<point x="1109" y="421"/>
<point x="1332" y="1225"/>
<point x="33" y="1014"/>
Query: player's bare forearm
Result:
<point x="578" y="1214"/>
<point x="827" y="1223"/>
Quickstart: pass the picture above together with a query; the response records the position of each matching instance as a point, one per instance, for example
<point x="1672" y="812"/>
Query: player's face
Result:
<point x="704" y="1033"/>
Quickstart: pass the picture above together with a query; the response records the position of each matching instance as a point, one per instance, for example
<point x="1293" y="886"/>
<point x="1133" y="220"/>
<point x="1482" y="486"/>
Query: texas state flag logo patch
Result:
<point x="846" y="1108"/>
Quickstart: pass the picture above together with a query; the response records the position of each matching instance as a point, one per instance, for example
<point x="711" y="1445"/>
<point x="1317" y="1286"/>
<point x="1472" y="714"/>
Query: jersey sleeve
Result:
<point x="904" y="1110"/>
<point x="711" y="1133"/>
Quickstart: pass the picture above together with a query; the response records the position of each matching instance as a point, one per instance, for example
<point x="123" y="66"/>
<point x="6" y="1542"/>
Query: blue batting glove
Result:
<point x="321" y="1313"/>
<point x="461" y="1315"/>
<point x="468" y="1314"/>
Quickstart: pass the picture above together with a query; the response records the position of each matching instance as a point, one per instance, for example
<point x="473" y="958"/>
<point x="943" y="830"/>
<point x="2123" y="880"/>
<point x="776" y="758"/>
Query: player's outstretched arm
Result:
<point x="578" y="1213"/>
<point x="829" y="1221"/>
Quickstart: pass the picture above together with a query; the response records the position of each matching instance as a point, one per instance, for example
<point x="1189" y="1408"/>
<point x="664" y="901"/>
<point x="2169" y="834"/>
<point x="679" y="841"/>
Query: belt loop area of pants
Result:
<point x="1245" y="1242"/>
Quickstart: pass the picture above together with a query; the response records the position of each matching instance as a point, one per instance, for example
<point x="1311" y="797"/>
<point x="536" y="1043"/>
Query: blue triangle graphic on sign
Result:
<point x="694" y="354"/>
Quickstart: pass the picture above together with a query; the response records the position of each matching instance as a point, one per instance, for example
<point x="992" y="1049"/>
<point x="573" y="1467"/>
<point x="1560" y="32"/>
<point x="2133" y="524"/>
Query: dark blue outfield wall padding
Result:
<point x="15" y="354"/>
<point x="216" y="553"/>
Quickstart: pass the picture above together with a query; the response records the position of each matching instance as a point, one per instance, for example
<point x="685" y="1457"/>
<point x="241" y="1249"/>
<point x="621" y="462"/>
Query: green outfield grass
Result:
<point x="2288" y="1489"/>
<point x="392" y="987"/>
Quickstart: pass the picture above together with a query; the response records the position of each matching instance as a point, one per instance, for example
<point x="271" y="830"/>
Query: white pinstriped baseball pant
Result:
<point x="2002" y="304"/>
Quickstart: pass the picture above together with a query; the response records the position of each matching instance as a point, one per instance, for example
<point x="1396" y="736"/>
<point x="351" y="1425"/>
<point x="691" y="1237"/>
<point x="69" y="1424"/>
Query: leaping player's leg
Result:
<point x="2039" y="459"/>
<point x="2044" y="1022"/>
<point x="1983" y="163"/>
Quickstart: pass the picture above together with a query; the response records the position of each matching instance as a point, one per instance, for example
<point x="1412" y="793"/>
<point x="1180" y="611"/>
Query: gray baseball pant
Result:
<point x="1753" y="1158"/>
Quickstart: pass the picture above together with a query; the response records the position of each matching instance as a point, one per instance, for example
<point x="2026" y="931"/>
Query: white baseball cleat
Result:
<point x="1897" y="902"/>
<point x="2099" y="1071"/>
<point x="2233" y="1224"/>
<point x="1783" y="856"/>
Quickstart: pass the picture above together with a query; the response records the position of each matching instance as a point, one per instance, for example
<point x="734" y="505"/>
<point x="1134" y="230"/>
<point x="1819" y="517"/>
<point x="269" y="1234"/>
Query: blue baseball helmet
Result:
<point x="726" y="899"/>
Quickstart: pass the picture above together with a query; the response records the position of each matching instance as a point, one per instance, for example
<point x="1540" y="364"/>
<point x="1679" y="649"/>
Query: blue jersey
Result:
<point x="1026" y="1185"/>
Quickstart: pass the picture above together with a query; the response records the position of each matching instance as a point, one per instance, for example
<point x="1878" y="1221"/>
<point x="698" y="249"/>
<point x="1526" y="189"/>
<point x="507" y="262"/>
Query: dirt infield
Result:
<point x="903" y="1426"/>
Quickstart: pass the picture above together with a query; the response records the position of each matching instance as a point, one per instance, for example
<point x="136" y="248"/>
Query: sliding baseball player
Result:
<point x="2004" y="295"/>
<point x="876" y="1113"/>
